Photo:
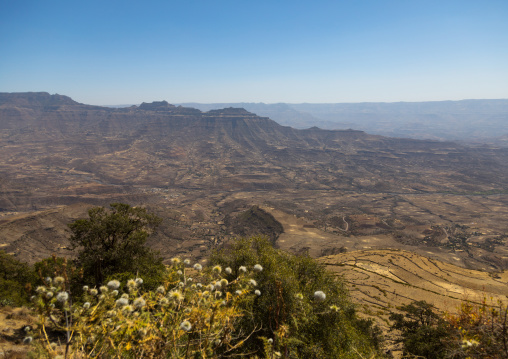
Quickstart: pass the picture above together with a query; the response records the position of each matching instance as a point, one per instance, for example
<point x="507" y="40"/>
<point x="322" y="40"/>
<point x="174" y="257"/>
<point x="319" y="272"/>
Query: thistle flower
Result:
<point x="319" y="295"/>
<point x="217" y="269"/>
<point x="131" y="283"/>
<point x="114" y="293"/>
<point x="139" y="281"/>
<point x="175" y="260"/>
<point x="40" y="289"/>
<point x="270" y="341"/>
<point x="103" y="289"/>
<point x="186" y="262"/>
<point x="258" y="268"/>
<point x="224" y="282"/>
<point x="242" y="269"/>
<point x="113" y="284"/>
<point x="59" y="280"/>
<point x="217" y="286"/>
<point x="161" y="290"/>
<point x="139" y="303"/>
<point x="85" y="288"/>
<point x="62" y="297"/>
<point x="93" y="291"/>
<point x="198" y="267"/>
<point x="257" y="292"/>
<point x="128" y="309"/>
<point x="121" y="302"/>
<point x="253" y="283"/>
<point x="186" y="326"/>
<point x="177" y="295"/>
<point x="164" y="301"/>
<point x="179" y="272"/>
<point x="86" y="305"/>
<point x="125" y="295"/>
<point x="228" y="270"/>
<point x="210" y="287"/>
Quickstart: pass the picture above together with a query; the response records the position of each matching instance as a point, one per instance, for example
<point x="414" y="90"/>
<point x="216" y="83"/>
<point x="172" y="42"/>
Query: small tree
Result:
<point x="113" y="241"/>
<point x="423" y="332"/>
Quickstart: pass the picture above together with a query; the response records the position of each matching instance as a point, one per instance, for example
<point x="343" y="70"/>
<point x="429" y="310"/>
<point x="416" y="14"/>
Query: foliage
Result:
<point x="16" y="280"/>
<point x="301" y="322"/>
<point x="482" y="328"/>
<point x="113" y="241"/>
<point x="187" y="317"/>
<point x="424" y="333"/>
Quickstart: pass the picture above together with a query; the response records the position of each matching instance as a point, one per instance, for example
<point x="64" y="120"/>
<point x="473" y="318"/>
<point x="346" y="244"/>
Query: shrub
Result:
<point x="303" y="309"/>
<point x="482" y="330"/>
<point x="423" y="332"/>
<point x="183" y="318"/>
<point x="16" y="280"/>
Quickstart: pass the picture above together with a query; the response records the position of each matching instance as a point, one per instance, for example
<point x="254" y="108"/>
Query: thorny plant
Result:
<point x="183" y="318"/>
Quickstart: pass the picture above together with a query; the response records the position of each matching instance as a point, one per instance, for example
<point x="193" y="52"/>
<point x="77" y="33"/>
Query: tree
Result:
<point x="424" y="333"/>
<point x="113" y="241"/>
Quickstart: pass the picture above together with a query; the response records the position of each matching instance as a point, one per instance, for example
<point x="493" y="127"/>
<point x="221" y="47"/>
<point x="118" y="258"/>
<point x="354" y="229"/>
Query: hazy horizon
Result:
<point x="118" y="52"/>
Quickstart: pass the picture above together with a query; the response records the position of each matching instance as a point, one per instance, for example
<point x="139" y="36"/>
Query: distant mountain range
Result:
<point x="198" y="169"/>
<point x="468" y="120"/>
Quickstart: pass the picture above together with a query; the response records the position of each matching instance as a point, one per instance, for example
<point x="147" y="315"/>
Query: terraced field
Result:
<point x="381" y="280"/>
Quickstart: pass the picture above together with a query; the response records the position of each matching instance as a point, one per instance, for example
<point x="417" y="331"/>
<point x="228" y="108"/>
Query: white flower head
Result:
<point x="242" y="269"/>
<point x="121" y="302"/>
<point x="161" y="289"/>
<point x="217" y="269"/>
<point x="59" y="280"/>
<point x="179" y="272"/>
<point x="257" y="292"/>
<point x="86" y="305"/>
<point x="228" y="270"/>
<point x="85" y="288"/>
<point x="258" y="268"/>
<point x="186" y="262"/>
<point x="186" y="326"/>
<point x="198" y="267"/>
<point x="62" y="297"/>
<point x="139" y="303"/>
<point x="103" y="289"/>
<point x="113" y="284"/>
<point x="139" y="281"/>
<point x="253" y="283"/>
<point x="93" y="291"/>
<point x="40" y="289"/>
<point x="319" y="295"/>
<point x="49" y="295"/>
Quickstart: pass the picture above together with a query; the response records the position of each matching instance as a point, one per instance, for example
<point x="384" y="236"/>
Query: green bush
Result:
<point x="424" y="333"/>
<point x="303" y="309"/>
<point x="16" y="279"/>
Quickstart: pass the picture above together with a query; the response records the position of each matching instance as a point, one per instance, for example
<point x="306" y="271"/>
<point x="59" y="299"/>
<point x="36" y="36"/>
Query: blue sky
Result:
<point x="125" y="52"/>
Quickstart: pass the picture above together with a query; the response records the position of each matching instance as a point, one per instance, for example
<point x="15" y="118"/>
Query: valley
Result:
<point x="341" y="196"/>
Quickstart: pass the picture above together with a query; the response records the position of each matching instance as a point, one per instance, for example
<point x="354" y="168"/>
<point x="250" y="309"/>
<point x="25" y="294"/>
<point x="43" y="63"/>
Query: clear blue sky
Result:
<point x="125" y="52"/>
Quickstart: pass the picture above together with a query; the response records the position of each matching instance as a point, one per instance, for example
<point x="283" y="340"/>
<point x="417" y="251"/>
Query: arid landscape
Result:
<point x="399" y="219"/>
